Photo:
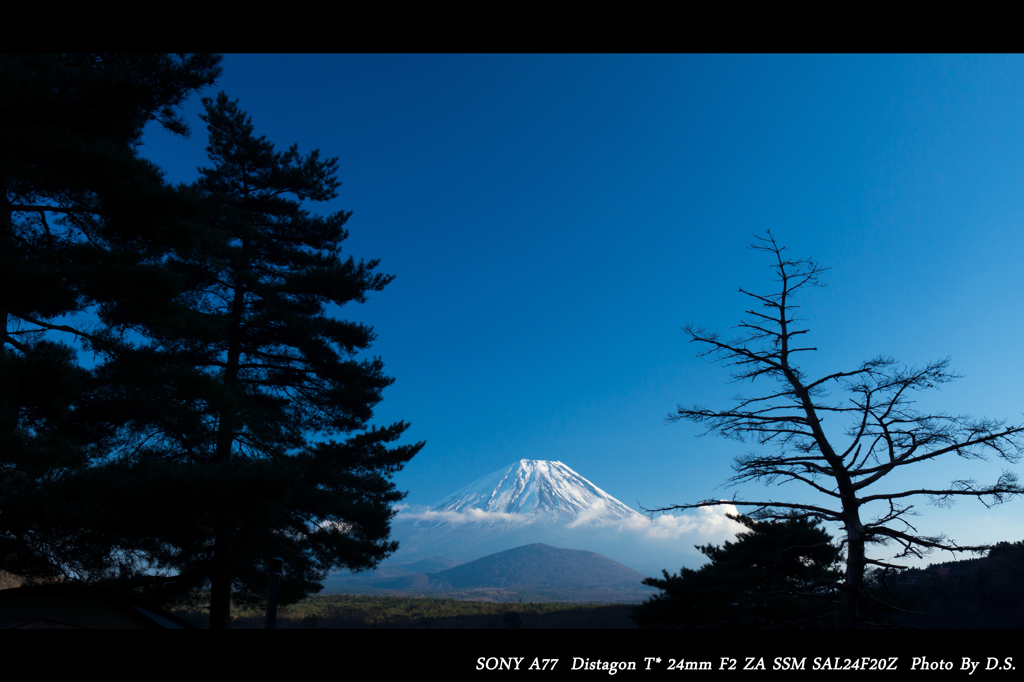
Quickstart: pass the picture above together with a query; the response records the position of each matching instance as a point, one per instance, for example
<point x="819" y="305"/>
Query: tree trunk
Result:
<point x="8" y="413"/>
<point x="853" y="591"/>
<point x="6" y="232"/>
<point x="220" y="582"/>
<point x="220" y="579"/>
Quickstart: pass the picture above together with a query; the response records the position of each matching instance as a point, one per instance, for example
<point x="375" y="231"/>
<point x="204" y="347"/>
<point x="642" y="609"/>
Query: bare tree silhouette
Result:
<point x="884" y="433"/>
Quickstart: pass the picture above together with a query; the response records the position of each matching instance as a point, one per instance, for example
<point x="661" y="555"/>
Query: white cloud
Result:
<point x="470" y="516"/>
<point x="595" y="514"/>
<point x="705" y="522"/>
<point x="342" y="526"/>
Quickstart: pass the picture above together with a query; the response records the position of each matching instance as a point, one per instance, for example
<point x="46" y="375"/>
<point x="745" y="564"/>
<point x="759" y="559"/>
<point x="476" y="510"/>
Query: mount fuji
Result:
<point x="530" y="501"/>
<point x="542" y="502"/>
<point x="548" y="490"/>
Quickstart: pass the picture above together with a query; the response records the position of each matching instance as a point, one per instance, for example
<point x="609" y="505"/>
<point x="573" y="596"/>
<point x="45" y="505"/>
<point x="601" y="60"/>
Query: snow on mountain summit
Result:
<point x="534" y="486"/>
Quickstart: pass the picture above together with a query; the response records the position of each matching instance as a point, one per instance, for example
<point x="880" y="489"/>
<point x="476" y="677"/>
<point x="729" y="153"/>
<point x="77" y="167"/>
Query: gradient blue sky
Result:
<point x="553" y="221"/>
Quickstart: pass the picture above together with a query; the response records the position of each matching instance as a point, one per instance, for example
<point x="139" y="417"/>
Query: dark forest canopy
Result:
<point x="982" y="592"/>
<point x="84" y="223"/>
<point x="227" y="419"/>
<point x="775" y="574"/>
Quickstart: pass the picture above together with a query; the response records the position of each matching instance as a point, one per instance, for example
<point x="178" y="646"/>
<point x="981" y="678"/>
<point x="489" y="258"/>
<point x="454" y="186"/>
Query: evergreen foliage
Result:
<point x="84" y="221"/>
<point x="775" y="574"/>
<point x="185" y="458"/>
<point x="225" y="396"/>
<point x="70" y="127"/>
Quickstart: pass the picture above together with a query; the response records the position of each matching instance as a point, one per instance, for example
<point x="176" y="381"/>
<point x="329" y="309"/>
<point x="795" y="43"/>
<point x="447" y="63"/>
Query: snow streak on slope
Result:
<point x="536" y="487"/>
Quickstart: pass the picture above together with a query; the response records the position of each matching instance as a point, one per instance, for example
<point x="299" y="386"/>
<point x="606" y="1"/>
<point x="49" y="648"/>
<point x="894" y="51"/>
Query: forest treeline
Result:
<point x="985" y="592"/>
<point x="344" y="611"/>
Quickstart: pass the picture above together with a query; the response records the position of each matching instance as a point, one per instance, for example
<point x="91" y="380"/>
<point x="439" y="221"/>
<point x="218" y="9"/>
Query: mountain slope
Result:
<point x="532" y="486"/>
<point x="536" y="565"/>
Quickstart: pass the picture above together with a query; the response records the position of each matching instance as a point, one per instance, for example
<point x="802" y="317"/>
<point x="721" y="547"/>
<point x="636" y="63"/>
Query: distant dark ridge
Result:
<point x="431" y="565"/>
<point x="533" y="565"/>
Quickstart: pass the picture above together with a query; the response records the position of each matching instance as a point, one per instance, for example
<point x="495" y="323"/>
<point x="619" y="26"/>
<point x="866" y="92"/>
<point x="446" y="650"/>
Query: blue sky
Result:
<point x="553" y="222"/>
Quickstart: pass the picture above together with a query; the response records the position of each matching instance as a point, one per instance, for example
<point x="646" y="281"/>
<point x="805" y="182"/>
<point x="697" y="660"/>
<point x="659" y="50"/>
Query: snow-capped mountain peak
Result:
<point x="533" y="486"/>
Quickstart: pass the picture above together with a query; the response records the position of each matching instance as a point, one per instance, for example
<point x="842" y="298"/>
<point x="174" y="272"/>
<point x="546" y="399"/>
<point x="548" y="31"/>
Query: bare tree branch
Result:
<point x="885" y="432"/>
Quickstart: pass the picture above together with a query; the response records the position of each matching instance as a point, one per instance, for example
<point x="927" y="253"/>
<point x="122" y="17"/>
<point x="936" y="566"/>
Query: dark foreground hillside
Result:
<point x="366" y="612"/>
